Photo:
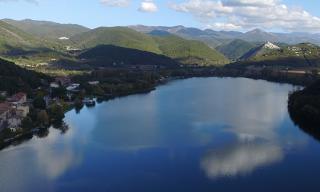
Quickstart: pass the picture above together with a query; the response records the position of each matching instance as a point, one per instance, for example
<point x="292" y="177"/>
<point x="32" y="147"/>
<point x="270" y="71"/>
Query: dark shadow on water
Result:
<point x="308" y="123"/>
<point x="40" y="133"/>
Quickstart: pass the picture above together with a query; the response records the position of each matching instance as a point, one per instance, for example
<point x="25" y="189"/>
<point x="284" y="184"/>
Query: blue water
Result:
<point x="194" y="135"/>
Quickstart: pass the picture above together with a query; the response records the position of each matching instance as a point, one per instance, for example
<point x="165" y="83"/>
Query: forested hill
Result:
<point x="14" y="78"/>
<point x="12" y="39"/>
<point x="110" y="55"/>
<point x="182" y="50"/>
<point x="47" y="29"/>
<point x="189" y="51"/>
<point x="236" y="48"/>
<point x="118" y="36"/>
<point x="304" y="109"/>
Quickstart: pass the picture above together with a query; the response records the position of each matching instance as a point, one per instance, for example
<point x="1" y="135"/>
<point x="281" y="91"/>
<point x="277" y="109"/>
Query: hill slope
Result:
<point x="47" y="29"/>
<point x="189" y="51"/>
<point x="184" y="51"/>
<point x="14" y="41"/>
<point x="110" y="55"/>
<point x="14" y="78"/>
<point x="235" y="49"/>
<point x="118" y="36"/>
<point x="12" y="37"/>
<point x="261" y="50"/>
<point x="300" y="55"/>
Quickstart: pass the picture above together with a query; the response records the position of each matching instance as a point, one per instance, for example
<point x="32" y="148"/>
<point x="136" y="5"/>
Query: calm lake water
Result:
<point x="194" y="135"/>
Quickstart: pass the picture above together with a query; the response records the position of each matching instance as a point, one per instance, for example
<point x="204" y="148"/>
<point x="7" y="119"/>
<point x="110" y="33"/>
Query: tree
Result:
<point x="27" y="123"/>
<point x="78" y="104"/>
<point x="39" y="103"/>
<point x="60" y="92"/>
<point x="43" y="118"/>
<point x="56" y="112"/>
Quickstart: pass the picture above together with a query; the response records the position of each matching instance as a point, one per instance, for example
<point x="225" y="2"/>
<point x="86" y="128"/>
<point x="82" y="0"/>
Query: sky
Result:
<point x="237" y="15"/>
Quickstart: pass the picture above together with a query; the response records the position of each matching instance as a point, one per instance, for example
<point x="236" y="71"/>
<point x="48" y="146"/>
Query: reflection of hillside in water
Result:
<point x="43" y="159"/>
<point x="310" y="129"/>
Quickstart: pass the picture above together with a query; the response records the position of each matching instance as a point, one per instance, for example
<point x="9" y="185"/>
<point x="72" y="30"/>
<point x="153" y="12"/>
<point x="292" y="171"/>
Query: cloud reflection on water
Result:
<point x="256" y="112"/>
<point x="240" y="159"/>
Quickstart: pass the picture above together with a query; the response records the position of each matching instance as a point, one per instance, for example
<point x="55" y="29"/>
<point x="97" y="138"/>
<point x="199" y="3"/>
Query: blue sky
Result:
<point x="216" y="14"/>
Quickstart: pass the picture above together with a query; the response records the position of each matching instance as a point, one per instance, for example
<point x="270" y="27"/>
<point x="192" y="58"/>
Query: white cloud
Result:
<point x="256" y="3"/>
<point x="116" y="3"/>
<point x="248" y="14"/>
<point x="223" y="26"/>
<point x="148" y="6"/>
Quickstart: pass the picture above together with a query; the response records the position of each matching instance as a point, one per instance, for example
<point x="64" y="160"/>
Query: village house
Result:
<point x="3" y="93"/>
<point x="11" y="117"/>
<point x="4" y="115"/>
<point x="63" y="81"/>
<point x="73" y="87"/>
<point x="54" y="85"/>
<point x="13" y="111"/>
<point x="18" y="99"/>
<point x="93" y="82"/>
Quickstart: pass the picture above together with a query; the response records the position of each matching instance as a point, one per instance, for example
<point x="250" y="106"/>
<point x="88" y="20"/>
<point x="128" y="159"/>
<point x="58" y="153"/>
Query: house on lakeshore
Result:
<point x="63" y="81"/>
<point x="54" y="85"/>
<point x="13" y="111"/>
<point x="11" y="117"/>
<point x="5" y="109"/>
<point x="18" y="99"/>
<point x="73" y="87"/>
<point x="93" y="82"/>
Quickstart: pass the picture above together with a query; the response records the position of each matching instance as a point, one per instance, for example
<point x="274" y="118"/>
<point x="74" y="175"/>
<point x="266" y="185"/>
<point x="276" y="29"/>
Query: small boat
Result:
<point x="89" y="102"/>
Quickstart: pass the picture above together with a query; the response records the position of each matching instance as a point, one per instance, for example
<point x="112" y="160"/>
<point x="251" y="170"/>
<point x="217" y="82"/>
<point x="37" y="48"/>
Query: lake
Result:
<point x="193" y="135"/>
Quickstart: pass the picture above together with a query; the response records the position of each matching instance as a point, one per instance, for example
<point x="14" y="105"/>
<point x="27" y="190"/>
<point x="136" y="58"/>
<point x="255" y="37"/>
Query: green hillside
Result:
<point x="46" y="29"/>
<point x="15" y="41"/>
<point x="189" y="51"/>
<point x="118" y="36"/>
<point x="12" y="37"/>
<point x="110" y="55"/>
<point x="300" y="55"/>
<point x="235" y="49"/>
<point x="14" y="78"/>
<point x="184" y="51"/>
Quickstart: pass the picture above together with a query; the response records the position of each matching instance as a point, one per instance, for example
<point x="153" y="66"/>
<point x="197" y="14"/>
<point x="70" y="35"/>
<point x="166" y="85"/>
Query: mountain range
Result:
<point x="216" y="38"/>
<point x="47" y="29"/>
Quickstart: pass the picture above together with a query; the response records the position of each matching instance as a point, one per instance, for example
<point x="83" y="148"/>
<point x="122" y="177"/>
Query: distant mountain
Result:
<point x="216" y="38"/>
<point x="235" y="49"/>
<point x="110" y="55"/>
<point x="184" y="51"/>
<point x="258" y="35"/>
<point x="47" y="29"/>
<point x="210" y="37"/>
<point x="147" y="29"/>
<point x="296" y="38"/>
<point x="159" y="33"/>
